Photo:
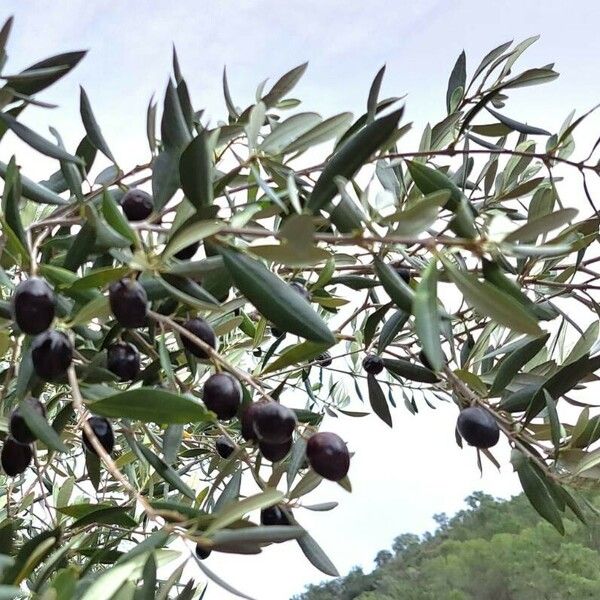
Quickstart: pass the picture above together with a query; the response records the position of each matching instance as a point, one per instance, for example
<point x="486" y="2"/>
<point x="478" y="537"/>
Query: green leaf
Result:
<point x="97" y="308"/>
<point x="352" y="155"/>
<point x="284" y="85"/>
<point x="275" y="299"/>
<point x="554" y="421"/>
<point x="514" y="361"/>
<point x="11" y="202"/>
<point x="34" y="191"/>
<point x="542" y="225"/>
<point x="422" y="215"/>
<point x="323" y="132"/>
<point x="166" y="472"/>
<point x="81" y="247"/>
<point x="189" y="234"/>
<point x="105" y="515"/>
<point x="41" y="428"/>
<point x="116" y="219"/>
<point x="537" y="491"/>
<point x="36" y="141"/>
<point x="378" y="402"/>
<point x="99" y="278"/>
<point x="174" y="130"/>
<point x="458" y="79"/>
<point x="374" y="95"/>
<point x="295" y="355"/>
<point x="410" y="370"/>
<point x="151" y="405"/>
<point x="165" y="177"/>
<point x="196" y="172"/>
<point x="427" y="321"/>
<point x="288" y="131"/>
<point x="396" y="288"/>
<point x="91" y="126"/>
<point x="257" y="535"/>
<point x="515" y="125"/>
<point x="255" y="123"/>
<point x="391" y="328"/>
<point x="430" y="180"/>
<point x="491" y="302"/>
<point x="317" y="556"/>
<point x="235" y="511"/>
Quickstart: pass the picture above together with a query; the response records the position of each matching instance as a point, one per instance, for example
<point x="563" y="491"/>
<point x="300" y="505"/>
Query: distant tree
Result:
<point x="175" y="327"/>
<point x="383" y="557"/>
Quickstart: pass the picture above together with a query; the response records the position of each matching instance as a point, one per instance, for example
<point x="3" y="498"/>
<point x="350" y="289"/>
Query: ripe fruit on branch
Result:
<point x="324" y="360"/>
<point x="328" y="455"/>
<point x="372" y="364"/>
<point x="33" y="305"/>
<point x="224" y="446"/>
<point x="247" y="421"/>
<point x="202" y="552"/>
<point x="222" y="394"/>
<point x="187" y="252"/>
<point x="478" y="427"/>
<point x="275" y="452"/>
<point x="404" y="274"/>
<point x="201" y="329"/>
<point x="274" y="423"/>
<point x="103" y="431"/>
<point x="274" y="515"/>
<point x="137" y="205"/>
<point x="123" y="359"/>
<point x="128" y="302"/>
<point x="15" y="457"/>
<point x="51" y="354"/>
<point x="18" y="427"/>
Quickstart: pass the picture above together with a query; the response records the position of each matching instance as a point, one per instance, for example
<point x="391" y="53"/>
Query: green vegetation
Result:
<point x="492" y="550"/>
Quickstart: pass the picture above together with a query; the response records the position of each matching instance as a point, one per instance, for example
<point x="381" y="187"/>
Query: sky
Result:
<point x="401" y="477"/>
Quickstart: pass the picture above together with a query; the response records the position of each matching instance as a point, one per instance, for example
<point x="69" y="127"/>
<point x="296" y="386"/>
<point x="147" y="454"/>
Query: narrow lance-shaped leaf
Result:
<point x="396" y="288"/>
<point x="427" y="321"/>
<point x="196" y="172"/>
<point x="274" y="299"/>
<point x="352" y="155"/>
<point x="378" y="401"/>
<point x="92" y="128"/>
<point x="167" y="472"/>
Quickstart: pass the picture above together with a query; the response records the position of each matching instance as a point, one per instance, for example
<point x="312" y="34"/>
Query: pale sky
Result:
<point x="400" y="477"/>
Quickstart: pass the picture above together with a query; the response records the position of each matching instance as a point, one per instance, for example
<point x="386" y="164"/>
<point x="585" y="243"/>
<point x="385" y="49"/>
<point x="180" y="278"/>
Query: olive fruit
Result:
<point x="15" y="457"/>
<point x="187" y="252"/>
<point x="274" y="423"/>
<point x="51" y="354"/>
<point x="247" y="421"/>
<point x="201" y="329"/>
<point x="478" y="427"/>
<point x="128" y="302"/>
<point x="137" y="205"/>
<point x="103" y="431"/>
<point x="324" y="360"/>
<point x="224" y="446"/>
<point x="202" y="552"/>
<point x="18" y="427"/>
<point x="274" y="515"/>
<point x="275" y="452"/>
<point x="123" y="360"/>
<point x="328" y="455"/>
<point x="33" y="305"/>
<point x="222" y="394"/>
<point x="372" y="364"/>
<point x="298" y="287"/>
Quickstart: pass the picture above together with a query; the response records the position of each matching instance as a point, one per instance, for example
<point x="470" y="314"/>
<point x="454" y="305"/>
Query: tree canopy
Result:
<point x="174" y="330"/>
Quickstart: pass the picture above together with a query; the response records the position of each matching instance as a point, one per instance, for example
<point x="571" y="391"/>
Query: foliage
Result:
<point x="462" y="248"/>
<point x="493" y="550"/>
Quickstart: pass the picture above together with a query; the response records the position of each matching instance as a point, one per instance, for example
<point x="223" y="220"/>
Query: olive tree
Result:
<point x="174" y="332"/>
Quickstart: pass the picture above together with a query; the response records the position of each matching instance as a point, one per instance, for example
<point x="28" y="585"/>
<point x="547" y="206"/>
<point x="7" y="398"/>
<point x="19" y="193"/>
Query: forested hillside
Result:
<point x="492" y="550"/>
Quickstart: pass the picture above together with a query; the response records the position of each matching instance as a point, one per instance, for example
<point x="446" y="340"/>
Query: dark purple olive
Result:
<point x="478" y="427"/>
<point x="123" y="359"/>
<point x="18" y="427"/>
<point x="33" y="305"/>
<point x="373" y="364"/>
<point x="202" y="552"/>
<point x="103" y="431"/>
<point x="201" y="329"/>
<point x="224" y="446"/>
<point x="328" y="455"/>
<point x="51" y="354"/>
<point x="247" y="421"/>
<point x="222" y="394"/>
<point x="275" y="452"/>
<point x="404" y="274"/>
<point x="274" y="515"/>
<point x="15" y="457"/>
<point x="128" y="302"/>
<point x="324" y="360"/>
<point x="187" y="252"/>
<point x="137" y="205"/>
<point x="274" y="423"/>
